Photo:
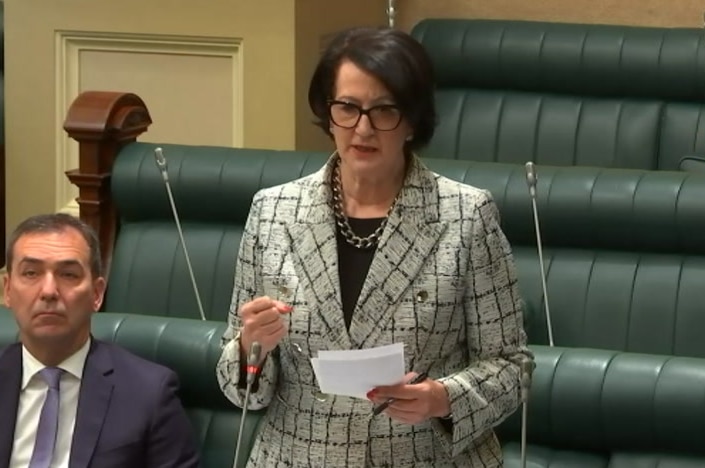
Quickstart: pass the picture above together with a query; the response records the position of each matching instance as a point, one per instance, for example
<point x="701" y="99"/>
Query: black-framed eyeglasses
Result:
<point x="383" y="117"/>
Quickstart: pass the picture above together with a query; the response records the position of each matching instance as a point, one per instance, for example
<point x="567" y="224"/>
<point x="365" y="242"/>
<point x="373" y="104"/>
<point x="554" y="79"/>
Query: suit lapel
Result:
<point x="10" y="381"/>
<point x="93" y="403"/>
<point x="315" y="258"/>
<point x="410" y="236"/>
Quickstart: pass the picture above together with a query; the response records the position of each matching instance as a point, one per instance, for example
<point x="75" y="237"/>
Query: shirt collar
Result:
<point x="72" y="364"/>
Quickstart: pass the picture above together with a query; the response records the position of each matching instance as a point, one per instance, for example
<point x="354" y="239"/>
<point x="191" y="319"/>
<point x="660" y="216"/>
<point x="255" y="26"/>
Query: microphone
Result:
<point x="253" y="360"/>
<point x="531" y="181"/>
<point x="161" y="164"/>
<point x="527" y="369"/>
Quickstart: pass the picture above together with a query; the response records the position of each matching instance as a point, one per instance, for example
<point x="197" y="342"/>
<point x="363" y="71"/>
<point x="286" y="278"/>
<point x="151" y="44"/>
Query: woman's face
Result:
<point x="363" y="148"/>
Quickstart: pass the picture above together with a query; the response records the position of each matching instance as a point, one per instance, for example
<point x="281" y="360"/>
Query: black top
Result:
<point x="354" y="263"/>
<point x="353" y="266"/>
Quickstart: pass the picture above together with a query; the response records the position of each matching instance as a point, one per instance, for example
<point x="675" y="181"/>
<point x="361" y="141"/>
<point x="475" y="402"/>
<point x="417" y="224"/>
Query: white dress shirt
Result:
<point x="32" y="396"/>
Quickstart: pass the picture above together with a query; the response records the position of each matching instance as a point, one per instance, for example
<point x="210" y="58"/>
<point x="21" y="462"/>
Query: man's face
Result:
<point x="51" y="290"/>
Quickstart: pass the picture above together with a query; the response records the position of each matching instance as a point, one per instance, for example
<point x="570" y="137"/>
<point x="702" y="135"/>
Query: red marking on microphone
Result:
<point x="252" y="369"/>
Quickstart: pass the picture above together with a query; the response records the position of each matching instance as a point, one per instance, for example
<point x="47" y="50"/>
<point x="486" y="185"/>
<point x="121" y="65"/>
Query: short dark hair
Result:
<point x="396" y="59"/>
<point x="56" y="222"/>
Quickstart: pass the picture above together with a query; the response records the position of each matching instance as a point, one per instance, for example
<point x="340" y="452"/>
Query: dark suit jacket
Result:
<point x="128" y="412"/>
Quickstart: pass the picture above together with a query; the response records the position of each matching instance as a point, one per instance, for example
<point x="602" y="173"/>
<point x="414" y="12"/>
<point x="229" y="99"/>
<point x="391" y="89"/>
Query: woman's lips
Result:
<point x="364" y="149"/>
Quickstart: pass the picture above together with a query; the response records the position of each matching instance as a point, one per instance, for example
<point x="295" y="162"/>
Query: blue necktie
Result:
<point x="48" y="420"/>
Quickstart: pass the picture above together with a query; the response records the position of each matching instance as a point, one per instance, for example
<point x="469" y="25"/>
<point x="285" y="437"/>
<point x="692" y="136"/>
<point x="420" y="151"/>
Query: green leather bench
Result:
<point x="626" y="260"/>
<point x="623" y="247"/>
<point x="589" y="408"/>
<point x="566" y="94"/>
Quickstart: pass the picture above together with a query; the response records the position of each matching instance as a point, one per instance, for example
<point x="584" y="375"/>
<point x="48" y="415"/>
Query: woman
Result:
<point x="375" y="249"/>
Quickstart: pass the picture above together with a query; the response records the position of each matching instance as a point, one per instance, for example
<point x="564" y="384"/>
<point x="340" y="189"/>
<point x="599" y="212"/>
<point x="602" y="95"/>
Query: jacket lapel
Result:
<point x="315" y="258"/>
<point x="93" y="403"/>
<point x="10" y="381"/>
<point x="411" y="234"/>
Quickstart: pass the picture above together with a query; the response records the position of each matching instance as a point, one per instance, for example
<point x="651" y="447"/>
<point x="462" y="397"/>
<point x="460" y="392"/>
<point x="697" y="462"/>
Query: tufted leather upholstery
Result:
<point x="566" y="94"/>
<point x="625" y="253"/>
<point x="605" y="408"/>
<point x="633" y="409"/>
<point x="148" y="272"/>
<point x="623" y="247"/>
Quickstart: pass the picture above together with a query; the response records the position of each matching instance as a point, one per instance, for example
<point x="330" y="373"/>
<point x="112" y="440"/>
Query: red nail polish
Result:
<point x="371" y="394"/>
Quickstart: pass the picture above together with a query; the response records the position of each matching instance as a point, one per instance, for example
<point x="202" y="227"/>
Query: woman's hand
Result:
<point x="415" y="403"/>
<point x="262" y="322"/>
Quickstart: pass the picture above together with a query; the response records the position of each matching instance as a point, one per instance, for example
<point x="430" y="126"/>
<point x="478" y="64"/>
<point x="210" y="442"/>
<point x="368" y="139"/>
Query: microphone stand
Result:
<point x="528" y="365"/>
<point x="391" y="13"/>
<point x="531" y="180"/>
<point x="252" y="368"/>
<point x="161" y="164"/>
<point x="527" y="369"/>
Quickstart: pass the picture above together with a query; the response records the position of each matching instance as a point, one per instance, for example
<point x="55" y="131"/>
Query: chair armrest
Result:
<point x="692" y="164"/>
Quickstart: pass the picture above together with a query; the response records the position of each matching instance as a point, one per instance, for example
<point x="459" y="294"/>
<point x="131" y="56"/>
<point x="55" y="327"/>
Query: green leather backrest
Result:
<point x="648" y="303"/>
<point x="606" y="401"/>
<point x="566" y="94"/>
<point x="590" y="207"/>
<point x="191" y="348"/>
<point x="8" y="327"/>
<point x="581" y="399"/>
<point x="212" y="189"/>
<point x="625" y="249"/>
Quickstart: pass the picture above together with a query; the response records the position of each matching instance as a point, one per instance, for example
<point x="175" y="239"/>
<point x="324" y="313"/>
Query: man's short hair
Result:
<point x="57" y="222"/>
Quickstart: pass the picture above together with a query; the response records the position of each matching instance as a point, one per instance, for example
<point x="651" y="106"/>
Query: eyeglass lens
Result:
<point x="348" y="115"/>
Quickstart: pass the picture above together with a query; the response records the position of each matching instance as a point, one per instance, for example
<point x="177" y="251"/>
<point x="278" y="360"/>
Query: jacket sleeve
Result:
<point x="487" y="391"/>
<point x="171" y="442"/>
<point x="247" y="286"/>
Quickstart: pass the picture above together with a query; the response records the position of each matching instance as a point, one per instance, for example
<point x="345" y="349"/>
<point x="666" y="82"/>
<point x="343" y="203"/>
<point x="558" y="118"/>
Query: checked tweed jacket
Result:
<point x="442" y="281"/>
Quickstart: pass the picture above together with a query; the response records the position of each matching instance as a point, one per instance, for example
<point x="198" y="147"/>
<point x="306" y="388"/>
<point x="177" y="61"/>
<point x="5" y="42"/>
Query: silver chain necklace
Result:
<point x="350" y="237"/>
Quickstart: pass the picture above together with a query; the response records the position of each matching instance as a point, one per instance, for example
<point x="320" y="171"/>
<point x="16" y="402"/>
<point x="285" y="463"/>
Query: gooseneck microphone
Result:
<point x="531" y="181"/>
<point x="253" y="361"/>
<point x="527" y="369"/>
<point x="161" y="164"/>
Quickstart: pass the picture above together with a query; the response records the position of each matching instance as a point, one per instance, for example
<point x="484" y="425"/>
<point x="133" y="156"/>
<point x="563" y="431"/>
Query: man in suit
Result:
<point x="68" y="400"/>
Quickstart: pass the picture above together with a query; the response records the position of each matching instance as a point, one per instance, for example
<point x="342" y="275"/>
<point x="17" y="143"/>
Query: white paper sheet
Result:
<point x="356" y="372"/>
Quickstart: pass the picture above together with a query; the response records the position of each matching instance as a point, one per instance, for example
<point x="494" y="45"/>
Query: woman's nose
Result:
<point x="364" y="126"/>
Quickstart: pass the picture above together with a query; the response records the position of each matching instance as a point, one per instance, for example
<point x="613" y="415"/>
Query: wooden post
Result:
<point x="102" y="122"/>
